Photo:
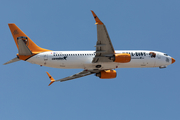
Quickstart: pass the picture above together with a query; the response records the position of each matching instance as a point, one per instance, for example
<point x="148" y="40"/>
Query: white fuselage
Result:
<point x="83" y="59"/>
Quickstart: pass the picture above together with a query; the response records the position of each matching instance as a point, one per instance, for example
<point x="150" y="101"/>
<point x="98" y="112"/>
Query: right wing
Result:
<point x="104" y="47"/>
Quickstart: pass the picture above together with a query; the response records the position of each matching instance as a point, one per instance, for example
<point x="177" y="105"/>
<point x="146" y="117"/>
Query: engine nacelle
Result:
<point x="106" y="74"/>
<point x="121" y="58"/>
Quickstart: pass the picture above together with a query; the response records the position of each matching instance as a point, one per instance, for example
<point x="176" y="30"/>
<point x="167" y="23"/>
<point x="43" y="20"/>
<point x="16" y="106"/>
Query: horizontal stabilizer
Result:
<point x="11" y="61"/>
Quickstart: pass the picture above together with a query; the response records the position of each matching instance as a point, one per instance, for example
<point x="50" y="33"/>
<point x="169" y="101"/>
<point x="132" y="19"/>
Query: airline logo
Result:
<point x="15" y="32"/>
<point x="60" y="58"/>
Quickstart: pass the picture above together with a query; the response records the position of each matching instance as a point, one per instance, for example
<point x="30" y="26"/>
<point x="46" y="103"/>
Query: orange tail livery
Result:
<point x="26" y="47"/>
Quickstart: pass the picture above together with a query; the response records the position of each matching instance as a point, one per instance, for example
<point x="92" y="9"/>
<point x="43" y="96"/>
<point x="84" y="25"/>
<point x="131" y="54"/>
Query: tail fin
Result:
<point x="51" y="78"/>
<point x="20" y="38"/>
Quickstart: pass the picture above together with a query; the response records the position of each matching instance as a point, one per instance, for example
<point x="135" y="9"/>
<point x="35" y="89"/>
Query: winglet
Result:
<point x="98" y="21"/>
<point x="51" y="78"/>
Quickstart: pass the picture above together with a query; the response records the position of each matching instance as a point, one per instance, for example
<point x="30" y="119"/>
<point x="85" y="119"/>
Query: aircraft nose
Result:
<point x="173" y="60"/>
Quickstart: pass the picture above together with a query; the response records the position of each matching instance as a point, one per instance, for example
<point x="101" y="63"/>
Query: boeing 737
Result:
<point x="102" y="62"/>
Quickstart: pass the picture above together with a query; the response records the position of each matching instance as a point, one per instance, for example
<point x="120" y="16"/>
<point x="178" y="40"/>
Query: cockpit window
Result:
<point x="166" y="54"/>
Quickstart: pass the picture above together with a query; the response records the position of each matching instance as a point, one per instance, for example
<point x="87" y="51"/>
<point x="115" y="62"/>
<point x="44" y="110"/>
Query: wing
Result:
<point x="77" y="75"/>
<point x="104" y="47"/>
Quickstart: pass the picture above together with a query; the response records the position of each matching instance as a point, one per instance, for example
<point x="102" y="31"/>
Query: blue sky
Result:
<point x="136" y="93"/>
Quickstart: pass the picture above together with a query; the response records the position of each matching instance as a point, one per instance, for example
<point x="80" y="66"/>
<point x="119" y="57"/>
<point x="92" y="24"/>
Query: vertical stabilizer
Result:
<point x="19" y="37"/>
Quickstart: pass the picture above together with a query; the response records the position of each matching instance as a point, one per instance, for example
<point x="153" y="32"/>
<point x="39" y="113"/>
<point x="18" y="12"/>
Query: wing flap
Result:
<point x="77" y="75"/>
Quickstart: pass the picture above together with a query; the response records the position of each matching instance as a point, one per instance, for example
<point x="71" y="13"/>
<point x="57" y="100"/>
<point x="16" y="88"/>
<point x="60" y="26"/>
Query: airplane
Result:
<point x="102" y="62"/>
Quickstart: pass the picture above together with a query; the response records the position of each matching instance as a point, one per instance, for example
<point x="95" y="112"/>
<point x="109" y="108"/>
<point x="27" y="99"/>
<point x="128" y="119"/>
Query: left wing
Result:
<point x="77" y="75"/>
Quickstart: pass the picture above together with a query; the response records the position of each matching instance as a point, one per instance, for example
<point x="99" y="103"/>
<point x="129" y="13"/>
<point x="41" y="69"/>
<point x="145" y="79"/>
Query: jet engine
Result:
<point x="106" y="74"/>
<point x="121" y="58"/>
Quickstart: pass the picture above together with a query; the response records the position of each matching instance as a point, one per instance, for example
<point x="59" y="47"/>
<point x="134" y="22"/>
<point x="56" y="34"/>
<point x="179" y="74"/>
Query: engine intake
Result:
<point x="106" y="74"/>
